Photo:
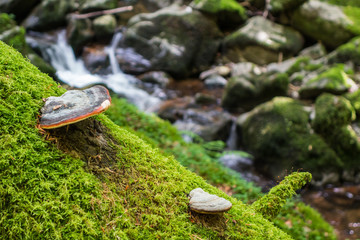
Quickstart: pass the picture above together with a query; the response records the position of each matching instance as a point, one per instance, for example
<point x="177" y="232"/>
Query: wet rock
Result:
<point x="18" y="7"/>
<point x="333" y="80"/>
<point x="229" y="13"/>
<point x="79" y="32"/>
<point x="205" y="99"/>
<point x="97" y="5"/>
<point x="315" y="51"/>
<point x="104" y="26"/>
<point x="203" y="202"/>
<point x="215" y="81"/>
<point x="348" y="52"/>
<point x="262" y="41"/>
<point x="280" y="137"/>
<point x="278" y="6"/>
<point x="209" y="125"/>
<point x="176" y="39"/>
<point x="324" y="22"/>
<point x="156" y="77"/>
<point x="96" y="59"/>
<point x="332" y="112"/>
<point x="48" y="15"/>
<point x="218" y="70"/>
<point x="249" y="86"/>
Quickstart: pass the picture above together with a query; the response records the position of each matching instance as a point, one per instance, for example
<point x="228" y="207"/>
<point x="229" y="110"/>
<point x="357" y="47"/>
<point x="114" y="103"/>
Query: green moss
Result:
<point x="299" y="224"/>
<point x="347" y="52"/>
<point x="332" y="112"/>
<point x="47" y="194"/>
<point x="216" y="6"/>
<point x="278" y="133"/>
<point x="200" y="157"/>
<point x="334" y="80"/>
<point x="354" y="98"/>
<point x="270" y="204"/>
<point x="278" y="6"/>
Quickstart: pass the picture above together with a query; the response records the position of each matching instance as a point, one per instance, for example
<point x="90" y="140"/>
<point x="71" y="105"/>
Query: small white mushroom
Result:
<point x="206" y="203"/>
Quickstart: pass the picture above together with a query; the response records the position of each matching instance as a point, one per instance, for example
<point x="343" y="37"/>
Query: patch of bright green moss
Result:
<point x="299" y="224"/>
<point x="47" y="194"/>
<point x="270" y="204"/>
<point x="332" y="112"/>
<point x="216" y="6"/>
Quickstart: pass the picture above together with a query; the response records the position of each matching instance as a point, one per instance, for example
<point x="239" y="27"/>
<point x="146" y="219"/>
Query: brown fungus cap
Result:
<point x="74" y="106"/>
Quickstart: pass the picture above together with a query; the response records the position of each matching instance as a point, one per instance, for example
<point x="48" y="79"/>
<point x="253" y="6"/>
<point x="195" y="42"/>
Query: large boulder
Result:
<point x="279" y="135"/>
<point x="104" y="26"/>
<point x="347" y="53"/>
<point x="324" y="22"/>
<point x="279" y="6"/>
<point x="262" y="41"/>
<point x="333" y="80"/>
<point x="176" y="39"/>
<point x="48" y="15"/>
<point x="249" y="86"/>
<point x="333" y="118"/>
<point x="79" y="32"/>
<point x="229" y="13"/>
<point x="18" y="7"/>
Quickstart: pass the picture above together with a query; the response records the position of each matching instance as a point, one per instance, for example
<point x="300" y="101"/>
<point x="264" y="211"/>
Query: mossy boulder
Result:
<point x="354" y="98"/>
<point x="243" y="92"/>
<point x="324" y="22"/>
<point x="104" y="26"/>
<point x="18" y="7"/>
<point x="334" y="80"/>
<point x="48" y="15"/>
<point x="332" y="112"/>
<point x="348" y="52"/>
<point x="279" y="135"/>
<point x="261" y="41"/>
<point x="333" y="116"/>
<point x="97" y="180"/>
<point x="174" y="40"/>
<point x="279" y="6"/>
<point x="228" y="12"/>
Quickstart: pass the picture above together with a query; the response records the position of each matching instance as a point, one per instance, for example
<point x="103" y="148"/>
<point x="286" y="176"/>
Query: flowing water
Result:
<point x="73" y="72"/>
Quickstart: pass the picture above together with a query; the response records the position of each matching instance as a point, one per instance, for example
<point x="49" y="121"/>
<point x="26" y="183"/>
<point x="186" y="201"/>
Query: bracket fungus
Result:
<point x="206" y="203"/>
<point x="74" y="106"/>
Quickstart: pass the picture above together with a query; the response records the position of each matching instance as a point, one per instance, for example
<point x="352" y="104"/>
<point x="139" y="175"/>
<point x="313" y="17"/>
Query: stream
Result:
<point x="340" y="205"/>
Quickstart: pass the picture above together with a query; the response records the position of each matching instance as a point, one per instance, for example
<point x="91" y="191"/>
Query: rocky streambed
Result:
<point x="277" y="79"/>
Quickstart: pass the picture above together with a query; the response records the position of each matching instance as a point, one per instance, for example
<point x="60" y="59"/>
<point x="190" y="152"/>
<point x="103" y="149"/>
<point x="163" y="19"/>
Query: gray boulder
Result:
<point x="104" y="26"/>
<point x="262" y="41"/>
<point x="324" y="22"/>
<point x="79" y="32"/>
<point x="176" y="39"/>
<point x="250" y="86"/>
<point x="48" y="15"/>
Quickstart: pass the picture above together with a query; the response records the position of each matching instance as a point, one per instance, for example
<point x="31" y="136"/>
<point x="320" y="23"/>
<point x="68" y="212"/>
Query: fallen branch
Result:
<point x="103" y="12"/>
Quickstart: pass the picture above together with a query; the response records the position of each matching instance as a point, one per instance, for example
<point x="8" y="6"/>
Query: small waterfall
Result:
<point x="73" y="72"/>
<point x="231" y="142"/>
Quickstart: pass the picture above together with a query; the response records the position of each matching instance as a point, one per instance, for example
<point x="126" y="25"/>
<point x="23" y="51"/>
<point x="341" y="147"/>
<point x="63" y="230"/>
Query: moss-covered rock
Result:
<point x="332" y="112"/>
<point x="130" y="190"/>
<point x="279" y="135"/>
<point x="354" y="98"/>
<point x="278" y="6"/>
<point x="261" y="41"/>
<point x="79" y="32"/>
<point x="333" y="116"/>
<point x="48" y="15"/>
<point x="348" y="52"/>
<point x="333" y="80"/>
<point x="97" y="5"/>
<point x="174" y="40"/>
<point x="228" y="12"/>
<point x="246" y="91"/>
<point x="18" y="7"/>
<point x="104" y="26"/>
<point x="324" y="22"/>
